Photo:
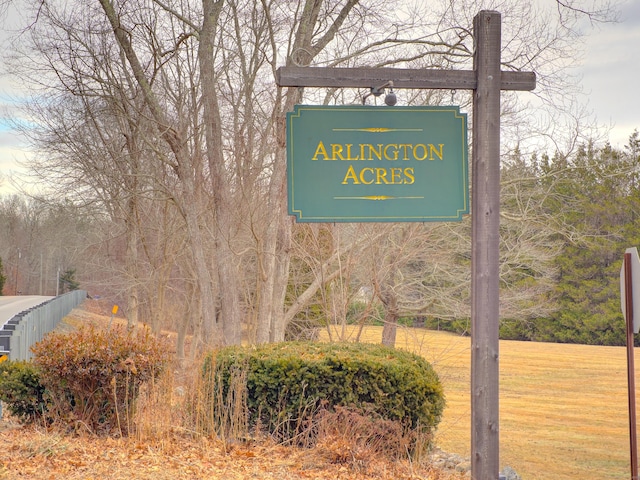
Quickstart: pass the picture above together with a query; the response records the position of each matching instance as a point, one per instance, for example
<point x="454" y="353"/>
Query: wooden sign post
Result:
<point x="485" y="236"/>
<point x="486" y="80"/>
<point x="630" y="296"/>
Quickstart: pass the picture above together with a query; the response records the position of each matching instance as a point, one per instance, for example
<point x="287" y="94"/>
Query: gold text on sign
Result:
<point x="380" y="151"/>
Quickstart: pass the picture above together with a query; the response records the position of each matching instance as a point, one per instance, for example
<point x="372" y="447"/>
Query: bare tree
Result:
<point x="164" y="116"/>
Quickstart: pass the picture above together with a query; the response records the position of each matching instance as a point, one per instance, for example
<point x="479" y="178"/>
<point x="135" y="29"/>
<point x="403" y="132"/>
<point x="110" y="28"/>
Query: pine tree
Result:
<point x="599" y="200"/>
<point x="67" y="282"/>
<point x="3" y="278"/>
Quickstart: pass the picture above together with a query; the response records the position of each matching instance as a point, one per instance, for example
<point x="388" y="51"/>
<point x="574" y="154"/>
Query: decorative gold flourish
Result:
<point x="377" y="129"/>
<point x="377" y="197"/>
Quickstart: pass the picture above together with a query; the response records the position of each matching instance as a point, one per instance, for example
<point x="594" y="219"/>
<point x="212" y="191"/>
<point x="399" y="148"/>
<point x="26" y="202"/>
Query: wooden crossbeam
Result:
<point x="401" y="78"/>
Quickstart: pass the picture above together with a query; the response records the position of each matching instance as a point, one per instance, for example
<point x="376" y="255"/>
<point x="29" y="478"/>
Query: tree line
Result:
<point x="565" y="224"/>
<point x="159" y="138"/>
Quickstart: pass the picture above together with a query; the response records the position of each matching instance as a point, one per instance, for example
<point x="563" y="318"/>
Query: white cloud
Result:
<point x="611" y="70"/>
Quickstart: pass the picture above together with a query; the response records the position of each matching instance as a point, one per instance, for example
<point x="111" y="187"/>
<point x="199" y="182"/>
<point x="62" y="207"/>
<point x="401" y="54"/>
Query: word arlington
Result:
<point x="370" y="152"/>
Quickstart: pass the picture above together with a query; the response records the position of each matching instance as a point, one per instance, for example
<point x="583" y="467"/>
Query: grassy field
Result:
<point x="563" y="408"/>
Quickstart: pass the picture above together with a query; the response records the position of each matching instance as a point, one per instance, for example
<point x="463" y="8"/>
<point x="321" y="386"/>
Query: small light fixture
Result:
<point x="390" y="98"/>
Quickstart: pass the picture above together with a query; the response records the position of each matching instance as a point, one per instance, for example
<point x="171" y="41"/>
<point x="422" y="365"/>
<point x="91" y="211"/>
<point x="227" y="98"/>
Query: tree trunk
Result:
<point x="212" y="335"/>
<point x="277" y="242"/>
<point x="391" y="315"/>
<point x="132" y="263"/>
<point x="181" y="337"/>
<point x="283" y="260"/>
<point x="228" y="284"/>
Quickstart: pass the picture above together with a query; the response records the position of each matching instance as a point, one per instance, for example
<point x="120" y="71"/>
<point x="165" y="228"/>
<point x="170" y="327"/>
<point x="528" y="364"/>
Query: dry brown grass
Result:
<point x="165" y="444"/>
<point x="563" y="408"/>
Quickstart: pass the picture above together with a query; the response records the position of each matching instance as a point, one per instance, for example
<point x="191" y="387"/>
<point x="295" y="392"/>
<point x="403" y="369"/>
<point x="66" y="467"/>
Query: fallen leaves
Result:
<point x="160" y="450"/>
<point x="32" y="453"/>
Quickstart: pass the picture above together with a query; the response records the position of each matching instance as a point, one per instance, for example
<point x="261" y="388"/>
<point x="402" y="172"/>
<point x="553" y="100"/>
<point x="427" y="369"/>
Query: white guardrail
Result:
<point x="30" y="326"/>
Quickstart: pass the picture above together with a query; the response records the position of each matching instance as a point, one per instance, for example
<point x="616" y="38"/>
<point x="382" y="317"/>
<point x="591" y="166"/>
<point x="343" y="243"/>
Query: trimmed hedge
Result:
<point x="287" y="383"/>
<point x="21" y="390"/>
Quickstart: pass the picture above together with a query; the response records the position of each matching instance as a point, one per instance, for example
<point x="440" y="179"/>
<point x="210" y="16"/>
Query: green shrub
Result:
<point x="287" y="383"/>
<point x="93" y="376"/>
<point x="461" y="326"/>
<point x="521" y="330"/>
<point x="21" y="390"/>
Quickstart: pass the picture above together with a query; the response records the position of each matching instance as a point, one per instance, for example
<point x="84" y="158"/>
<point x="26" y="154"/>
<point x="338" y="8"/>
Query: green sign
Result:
<point x="377" y="164"/>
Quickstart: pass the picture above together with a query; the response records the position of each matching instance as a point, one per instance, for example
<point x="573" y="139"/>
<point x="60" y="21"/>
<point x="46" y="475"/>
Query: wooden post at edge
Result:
<point x="485" y="275"/>
<point x="631" y="382"/>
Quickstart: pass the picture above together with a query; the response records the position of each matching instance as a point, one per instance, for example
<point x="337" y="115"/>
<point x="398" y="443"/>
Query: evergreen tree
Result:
<point x="3" y="278"/>
<point x="598" y="200"/>
<point x="67" y="281"/>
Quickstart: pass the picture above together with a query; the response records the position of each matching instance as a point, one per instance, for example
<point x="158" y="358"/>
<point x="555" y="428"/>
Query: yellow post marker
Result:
<point x="114" y="311"/>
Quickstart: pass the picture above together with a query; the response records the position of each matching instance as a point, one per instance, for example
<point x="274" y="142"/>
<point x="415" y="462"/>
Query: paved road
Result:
<point x="11" y="305"/>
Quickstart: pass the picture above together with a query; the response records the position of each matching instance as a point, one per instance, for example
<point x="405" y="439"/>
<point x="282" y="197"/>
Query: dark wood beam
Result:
<point x="485" y="241"/>
<point x="401" y="78"/>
